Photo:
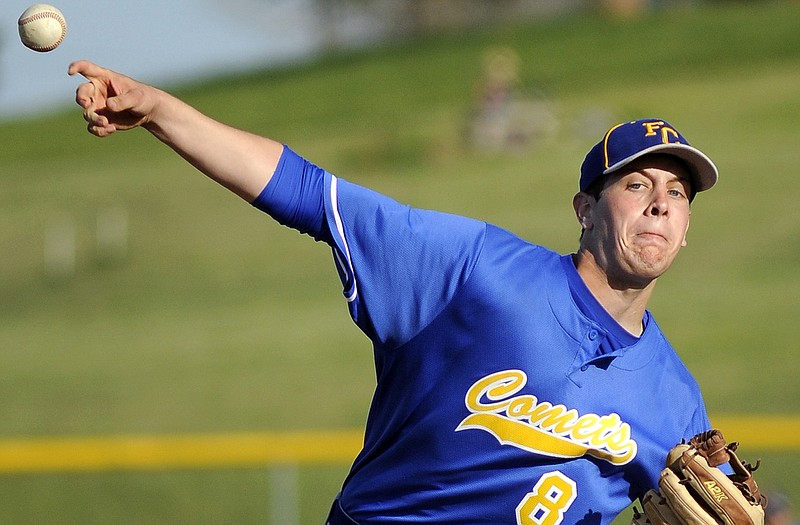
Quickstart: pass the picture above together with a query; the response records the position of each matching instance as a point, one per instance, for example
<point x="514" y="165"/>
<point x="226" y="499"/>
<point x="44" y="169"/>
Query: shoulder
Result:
<point x="505" y="249"/>
<point x="504" y="241"/>
<point x="667" y="362"/>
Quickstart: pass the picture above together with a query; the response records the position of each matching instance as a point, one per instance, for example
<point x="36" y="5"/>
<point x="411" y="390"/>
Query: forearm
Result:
<point x="111" y="102"/>
<point x="238" y="160"/>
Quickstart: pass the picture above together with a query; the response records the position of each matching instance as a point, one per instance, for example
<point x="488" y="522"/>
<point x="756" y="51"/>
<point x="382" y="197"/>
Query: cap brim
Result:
<point x="704" y="172"/>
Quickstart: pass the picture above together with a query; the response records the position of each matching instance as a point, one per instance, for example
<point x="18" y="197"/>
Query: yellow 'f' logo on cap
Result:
<point x="652" y="127"/>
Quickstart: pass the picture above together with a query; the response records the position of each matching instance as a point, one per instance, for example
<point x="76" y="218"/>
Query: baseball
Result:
<point x="42" y="27"/>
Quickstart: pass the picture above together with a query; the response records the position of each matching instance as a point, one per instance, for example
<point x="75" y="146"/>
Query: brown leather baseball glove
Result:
<point x="693" y="491"/>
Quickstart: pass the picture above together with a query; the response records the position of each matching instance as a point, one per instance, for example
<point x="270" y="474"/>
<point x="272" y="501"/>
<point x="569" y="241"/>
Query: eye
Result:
<point x="677" y="192"/>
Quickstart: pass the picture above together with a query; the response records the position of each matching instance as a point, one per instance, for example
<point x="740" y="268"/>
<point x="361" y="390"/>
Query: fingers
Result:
<point x="92" y="96"/>
<point x="89" y="95"/>
<point x="87" y="69"/>
<point x="125" y="101"/>
<point x="85" y="94"/>
<point x="92" y="100"/>
<point x="111" y="101"/>
<point x="98" y="124"/>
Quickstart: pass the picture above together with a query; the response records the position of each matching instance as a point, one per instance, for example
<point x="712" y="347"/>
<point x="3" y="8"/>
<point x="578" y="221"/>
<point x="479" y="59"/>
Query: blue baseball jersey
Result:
<point x="505" y="393"/>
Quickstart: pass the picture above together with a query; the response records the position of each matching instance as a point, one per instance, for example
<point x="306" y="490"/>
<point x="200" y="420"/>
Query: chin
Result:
<point x="651" y="266"/>
<point x="652" y="269"/>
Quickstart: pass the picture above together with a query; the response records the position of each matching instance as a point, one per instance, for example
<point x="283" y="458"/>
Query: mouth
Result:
<point x="652" y="236"/>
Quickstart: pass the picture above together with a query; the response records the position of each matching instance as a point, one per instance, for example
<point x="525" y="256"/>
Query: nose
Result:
<point x="659" y="205"/>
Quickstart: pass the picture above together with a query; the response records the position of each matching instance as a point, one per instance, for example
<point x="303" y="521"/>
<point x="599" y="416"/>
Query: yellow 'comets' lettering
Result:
<point x="538" y="426"/>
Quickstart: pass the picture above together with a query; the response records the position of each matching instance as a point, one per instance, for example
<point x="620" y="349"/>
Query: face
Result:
<point x="639" y="224"/>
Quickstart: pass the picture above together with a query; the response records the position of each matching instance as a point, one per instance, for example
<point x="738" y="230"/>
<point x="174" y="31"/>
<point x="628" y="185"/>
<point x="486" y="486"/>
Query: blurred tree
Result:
<point x="387" y="19"/>
<point x="343" y="24"/>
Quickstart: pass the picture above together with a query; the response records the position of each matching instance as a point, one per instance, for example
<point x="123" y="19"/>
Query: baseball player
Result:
<point x="515" y="385"/>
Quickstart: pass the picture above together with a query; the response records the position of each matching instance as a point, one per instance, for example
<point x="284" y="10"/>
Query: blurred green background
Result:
<point x="136" y="297"/>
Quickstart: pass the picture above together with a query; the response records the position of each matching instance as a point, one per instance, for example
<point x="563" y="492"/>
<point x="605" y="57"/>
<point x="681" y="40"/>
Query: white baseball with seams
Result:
<point x="42" y="27"/>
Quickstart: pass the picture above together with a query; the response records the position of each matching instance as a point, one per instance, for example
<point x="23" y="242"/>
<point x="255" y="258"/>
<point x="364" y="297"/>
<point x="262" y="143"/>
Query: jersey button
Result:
<point x="584" y="368"/>
<point x="592" y="335"/>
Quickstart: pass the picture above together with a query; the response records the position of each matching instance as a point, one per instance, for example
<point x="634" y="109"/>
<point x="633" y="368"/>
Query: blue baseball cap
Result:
<point x="626" y="142"/>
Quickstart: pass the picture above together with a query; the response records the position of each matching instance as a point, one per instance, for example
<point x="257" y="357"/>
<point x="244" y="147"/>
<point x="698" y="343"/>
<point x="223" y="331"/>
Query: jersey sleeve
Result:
<point x="399" y="265"/>
<point x="700" y="421"/>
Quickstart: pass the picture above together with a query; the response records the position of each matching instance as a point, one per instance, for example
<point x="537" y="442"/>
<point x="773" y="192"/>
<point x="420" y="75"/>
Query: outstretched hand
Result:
<point x="112" y="102"/>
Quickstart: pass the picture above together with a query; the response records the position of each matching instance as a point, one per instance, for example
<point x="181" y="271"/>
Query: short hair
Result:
<point x="597" y="186"/>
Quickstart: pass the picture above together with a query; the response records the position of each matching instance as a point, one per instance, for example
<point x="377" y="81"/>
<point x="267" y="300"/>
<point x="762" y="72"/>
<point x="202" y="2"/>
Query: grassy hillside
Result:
<point x="215" y="319"/>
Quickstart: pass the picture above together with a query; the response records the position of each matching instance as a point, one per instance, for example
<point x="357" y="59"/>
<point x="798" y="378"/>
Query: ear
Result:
<point x="582" y="203"/>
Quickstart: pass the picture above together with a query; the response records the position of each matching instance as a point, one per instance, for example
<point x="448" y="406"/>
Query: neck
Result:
<point x="626" y="303"/>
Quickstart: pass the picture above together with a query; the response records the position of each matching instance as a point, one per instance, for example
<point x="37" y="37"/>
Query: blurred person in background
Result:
<point x="779" y="511"/>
